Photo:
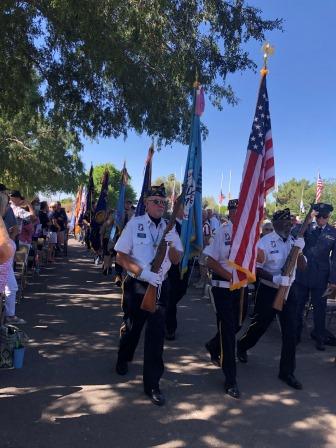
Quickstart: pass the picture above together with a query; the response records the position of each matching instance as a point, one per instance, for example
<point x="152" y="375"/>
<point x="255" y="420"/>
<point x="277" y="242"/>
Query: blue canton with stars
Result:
<point x="262" y="121"/>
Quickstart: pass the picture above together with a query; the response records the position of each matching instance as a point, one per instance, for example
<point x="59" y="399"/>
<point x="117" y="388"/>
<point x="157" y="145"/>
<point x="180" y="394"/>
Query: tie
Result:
<point x="318" y="230"/>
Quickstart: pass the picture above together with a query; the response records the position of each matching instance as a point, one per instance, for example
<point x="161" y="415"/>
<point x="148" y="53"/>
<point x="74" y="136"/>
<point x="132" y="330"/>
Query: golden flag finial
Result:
<point x="268" y="51"/>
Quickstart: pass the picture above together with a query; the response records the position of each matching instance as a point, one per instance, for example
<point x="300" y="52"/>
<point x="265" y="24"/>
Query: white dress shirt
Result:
<point x="219" y="248"/>
<point x="140" y="239"/>
<point x="275" y="251"/>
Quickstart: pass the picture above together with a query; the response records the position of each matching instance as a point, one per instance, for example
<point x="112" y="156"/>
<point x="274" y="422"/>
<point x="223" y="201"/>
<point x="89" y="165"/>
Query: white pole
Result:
<point x="221" y="188"/>
<point x="229" y="195"/>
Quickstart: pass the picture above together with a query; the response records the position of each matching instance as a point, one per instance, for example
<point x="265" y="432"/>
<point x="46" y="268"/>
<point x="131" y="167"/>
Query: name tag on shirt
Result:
<point x="141" y="235"/>
<point x="274" y="252"/>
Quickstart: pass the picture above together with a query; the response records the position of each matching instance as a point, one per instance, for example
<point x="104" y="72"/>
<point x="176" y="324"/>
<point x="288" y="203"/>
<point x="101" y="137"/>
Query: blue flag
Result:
<point x="90" y="193"/>
<point x="100" y="213"/>
<point x="120" y="211"/>
<point x="140" y="210"/>
<point x="192" y="232"/>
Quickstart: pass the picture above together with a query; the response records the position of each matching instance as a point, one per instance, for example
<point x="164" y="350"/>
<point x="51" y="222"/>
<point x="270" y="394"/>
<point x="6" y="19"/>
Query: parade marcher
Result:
<point x="320" y="251"/>
<point x="177" y="288"/>
<point x="136" y="248"/>
<point x="273" y="250"/>
<point x="226" y="302"/>
<point x="213" y="220"/>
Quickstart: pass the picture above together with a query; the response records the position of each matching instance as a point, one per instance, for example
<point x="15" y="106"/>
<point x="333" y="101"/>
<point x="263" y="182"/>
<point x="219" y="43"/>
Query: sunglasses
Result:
<point x="162" y="202"/>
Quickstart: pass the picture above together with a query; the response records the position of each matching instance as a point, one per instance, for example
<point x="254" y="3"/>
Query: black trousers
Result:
<point x="118" y="269"/>
<point x="214" y="342"/>
<point x="227" y="304"/>
<point x="319" y="310"/>
<point x="176" y="290"/>
<point x="134" y="320"/>
<point x="264" y="315"/>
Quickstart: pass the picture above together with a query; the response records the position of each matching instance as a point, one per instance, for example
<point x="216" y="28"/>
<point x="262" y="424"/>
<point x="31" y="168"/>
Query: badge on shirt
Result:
<point x="140" y="228"/>
<point x="141" y="235"/>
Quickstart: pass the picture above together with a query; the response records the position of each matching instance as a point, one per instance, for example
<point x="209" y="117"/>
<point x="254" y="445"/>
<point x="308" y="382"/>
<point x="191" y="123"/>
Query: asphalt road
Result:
<point x="67" y="395"/>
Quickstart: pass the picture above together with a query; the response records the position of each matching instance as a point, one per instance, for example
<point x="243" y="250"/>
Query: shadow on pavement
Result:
<point x="68" y="395"/>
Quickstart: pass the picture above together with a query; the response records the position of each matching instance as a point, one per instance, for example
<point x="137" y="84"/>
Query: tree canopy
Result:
<point x="289" y="195"/>
<point x="114" y="183"/>
<point x="105" y="66"/>
<point x="35" y="153"/>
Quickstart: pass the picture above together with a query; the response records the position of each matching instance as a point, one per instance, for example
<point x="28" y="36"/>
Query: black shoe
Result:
<point x="242" y="355"/>
<point x="233" y="391"/>
<point x="121" y="367"/>
<point x="215" y="358"/>
<point x="320" y="346"/>
<point x="291" y="381"/>
<point x="330" y="341"/>
<point x="170" y="335"/>
<point x="156" y="396"/>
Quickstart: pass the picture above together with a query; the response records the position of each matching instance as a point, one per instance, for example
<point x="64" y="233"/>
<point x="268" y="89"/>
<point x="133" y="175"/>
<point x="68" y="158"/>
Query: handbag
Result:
<point x="11" y="337"/>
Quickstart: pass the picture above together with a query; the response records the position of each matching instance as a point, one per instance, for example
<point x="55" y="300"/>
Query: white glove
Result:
<point x="150" y="277"/>
<point x="281" y="280"/>
<point x="171" y="237"/>
<point x="300" y="243"/>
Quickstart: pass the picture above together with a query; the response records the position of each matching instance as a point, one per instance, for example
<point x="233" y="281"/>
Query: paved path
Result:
<point x="68" y="396"/>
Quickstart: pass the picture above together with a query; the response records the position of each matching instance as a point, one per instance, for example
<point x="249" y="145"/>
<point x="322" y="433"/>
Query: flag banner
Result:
<point x="100" y="212"/>
<point x="90" y="193"/>
<point x="302" y="207"/>
<point x="191" y="231"/>
<point x="140" y="210"/>
<point x="319" y="188"/>
<point x="82" y="209"/>
<point x="257" y="181"/>
<point x="78" y="204"/>
<point x="120" y="210"/>
<point x="221" y="198"/>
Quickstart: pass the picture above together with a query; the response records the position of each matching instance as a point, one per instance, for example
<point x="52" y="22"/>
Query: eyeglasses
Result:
<point x="162" y="202"/>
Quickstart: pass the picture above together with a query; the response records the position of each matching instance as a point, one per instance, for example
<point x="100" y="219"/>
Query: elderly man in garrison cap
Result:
<point x="273" y="250"/>
<point x="320" y="275"/>
<point x="136" y="249"/>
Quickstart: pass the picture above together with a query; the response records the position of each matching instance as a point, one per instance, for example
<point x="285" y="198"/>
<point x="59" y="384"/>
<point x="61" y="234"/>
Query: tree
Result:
<point x="109" y="65"/>
<point x="35" y="154"/>
<point x="169" y="182"/>
<point x="289" y="195"/>
<point x="114" y="182"/>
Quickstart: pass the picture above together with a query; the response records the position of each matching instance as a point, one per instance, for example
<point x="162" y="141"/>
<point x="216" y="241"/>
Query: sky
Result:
<point x="301" y="88"/>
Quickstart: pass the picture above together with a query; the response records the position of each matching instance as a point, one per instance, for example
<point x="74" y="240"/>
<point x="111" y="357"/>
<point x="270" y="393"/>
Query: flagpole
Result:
<point x="221" y="189"/>
<point x="229" y="194"/>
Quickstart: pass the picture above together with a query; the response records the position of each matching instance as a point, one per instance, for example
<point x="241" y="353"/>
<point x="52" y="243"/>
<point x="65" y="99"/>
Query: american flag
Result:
<point x="319" y="188"/>
<point x="258" y="179"/>
<point x="221" y="198"/>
